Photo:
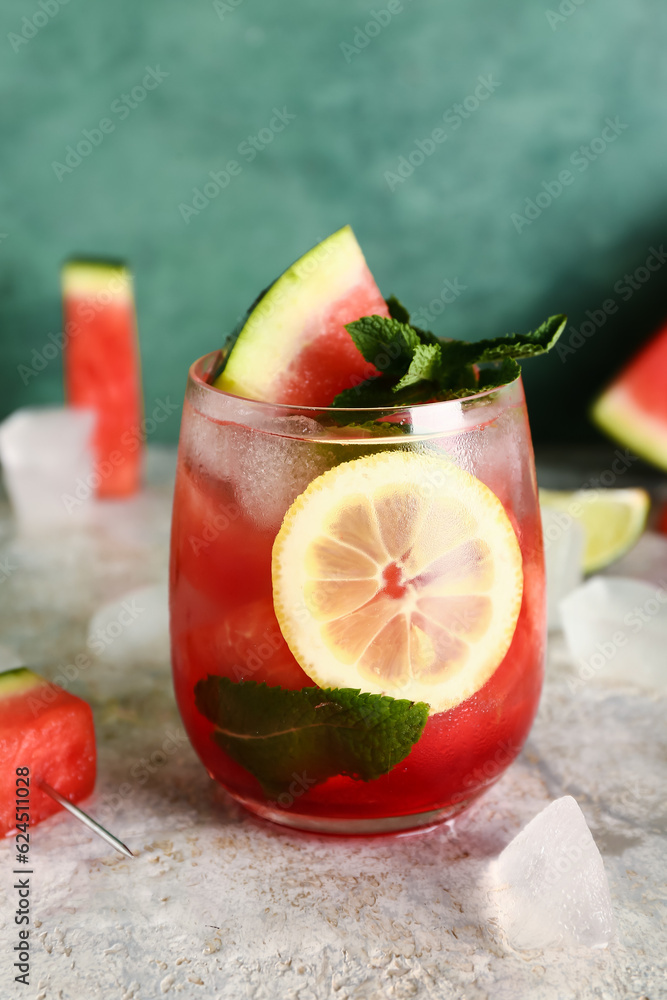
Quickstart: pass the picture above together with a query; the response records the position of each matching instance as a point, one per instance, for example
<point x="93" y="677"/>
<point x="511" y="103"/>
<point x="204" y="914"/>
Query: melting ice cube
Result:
<point x="647" y="560"/>
<point x="550" y="887"/>
<point x="616" y="630"/>
<point x="269" y="471"/>
<point x="133" y="628"/>
<point x="563" y="550"/>
<point x="46" y="456"/>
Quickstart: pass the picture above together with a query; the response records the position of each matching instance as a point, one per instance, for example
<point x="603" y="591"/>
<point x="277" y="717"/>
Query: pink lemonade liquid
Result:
<point x="234" y="485"/>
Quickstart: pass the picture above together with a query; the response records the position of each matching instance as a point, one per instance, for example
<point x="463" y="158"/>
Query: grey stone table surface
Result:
<point x="218" y="904"/>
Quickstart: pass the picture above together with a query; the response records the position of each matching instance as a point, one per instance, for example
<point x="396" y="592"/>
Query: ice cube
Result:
<point x="563" y="551"/>
<point x="46" y="457"/>
<point x="132" y="628"/>
<point x="269" y="471"/>
<point x="616" y="630"/>
<point x="549" y="884"/>
<point x="647" y="560"/>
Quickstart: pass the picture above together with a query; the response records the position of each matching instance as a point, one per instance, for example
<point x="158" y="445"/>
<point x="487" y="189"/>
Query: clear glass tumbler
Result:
<point x="283" y="582"/>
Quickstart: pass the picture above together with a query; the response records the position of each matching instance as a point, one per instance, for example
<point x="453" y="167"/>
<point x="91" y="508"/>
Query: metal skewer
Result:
<point x="86" y="820"/>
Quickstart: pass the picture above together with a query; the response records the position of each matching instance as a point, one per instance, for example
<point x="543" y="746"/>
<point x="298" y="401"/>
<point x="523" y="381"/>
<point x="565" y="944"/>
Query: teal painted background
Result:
<point x="557" y="72"/>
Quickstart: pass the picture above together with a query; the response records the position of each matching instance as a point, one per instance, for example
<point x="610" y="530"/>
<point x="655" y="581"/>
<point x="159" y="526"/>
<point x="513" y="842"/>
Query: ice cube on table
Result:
<point x="48" y="465"/>
<point x="549" y="884"/>
<point x="647" y="560"/>
<point x="616" y="630"/>
<point x="134" y="627"/>
<point x="563" y="551"/>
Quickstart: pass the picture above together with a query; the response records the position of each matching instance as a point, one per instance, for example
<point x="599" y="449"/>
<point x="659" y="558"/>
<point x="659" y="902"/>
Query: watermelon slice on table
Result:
<point x="292" y="346"/>
<point x="102" y="371"/>
<point x="633" y="409"/>
<point x="49" y="731"/>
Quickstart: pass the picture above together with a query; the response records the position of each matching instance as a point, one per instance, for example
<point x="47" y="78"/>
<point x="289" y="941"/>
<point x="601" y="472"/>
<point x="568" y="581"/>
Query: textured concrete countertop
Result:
<point x="217" y="904"/>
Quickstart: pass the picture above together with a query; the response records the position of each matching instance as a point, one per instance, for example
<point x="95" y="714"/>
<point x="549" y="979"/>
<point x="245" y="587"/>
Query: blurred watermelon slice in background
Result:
<point x="633" y="409"/>
<point x="102" y="370"/>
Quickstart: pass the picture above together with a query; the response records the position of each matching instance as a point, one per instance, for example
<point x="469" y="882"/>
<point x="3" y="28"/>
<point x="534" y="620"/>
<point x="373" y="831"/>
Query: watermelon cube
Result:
<point x="49" y="731"/>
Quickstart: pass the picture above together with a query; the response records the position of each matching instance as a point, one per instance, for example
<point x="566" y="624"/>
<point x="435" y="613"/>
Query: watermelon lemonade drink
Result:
<point x="357" y="592"/>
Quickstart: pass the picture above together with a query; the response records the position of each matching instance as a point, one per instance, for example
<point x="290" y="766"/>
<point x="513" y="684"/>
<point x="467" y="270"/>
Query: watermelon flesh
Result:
<point x="633" y="409"/>
<point x="102" y="371"/>
<point x="51" y="732"/>
<point x="293" y="346"/>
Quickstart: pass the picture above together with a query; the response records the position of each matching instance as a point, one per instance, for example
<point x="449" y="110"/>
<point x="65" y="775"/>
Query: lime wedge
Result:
<point x="613" y="520"/>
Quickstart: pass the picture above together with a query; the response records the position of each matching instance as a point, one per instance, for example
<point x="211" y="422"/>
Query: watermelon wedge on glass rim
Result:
<point x="102" y="369"/>
<point x="292" y="345"/>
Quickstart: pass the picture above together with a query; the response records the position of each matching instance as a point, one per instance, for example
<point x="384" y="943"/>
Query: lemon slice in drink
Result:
<point x="399" y="574"/>
<point x="612" y="520"/>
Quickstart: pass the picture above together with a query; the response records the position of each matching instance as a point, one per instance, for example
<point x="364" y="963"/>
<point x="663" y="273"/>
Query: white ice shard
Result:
<point x="563" y="550"/>
<point x="132" y="628"/>
<point x="647" y="560"/>
<point x="47" y="465"/>
<point x="616" y="631"/>
<point x="549" y="884"/>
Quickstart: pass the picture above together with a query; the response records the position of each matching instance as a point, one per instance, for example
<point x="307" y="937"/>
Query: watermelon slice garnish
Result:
<point x="633" y="409"/>
<point x="292" y="347"/>
<point x="102" y="371"/>
<point x="49" y="731"/>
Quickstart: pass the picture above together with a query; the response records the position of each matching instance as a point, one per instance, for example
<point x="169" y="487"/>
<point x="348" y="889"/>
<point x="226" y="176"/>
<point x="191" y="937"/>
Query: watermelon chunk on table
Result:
<point x="292" y="346"/>
<point x="102" y="370"/>
<point x="633" y="409"/>
<point x="49" y="731"/>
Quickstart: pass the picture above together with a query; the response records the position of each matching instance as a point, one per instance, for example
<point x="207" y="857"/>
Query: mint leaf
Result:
<point x="312" y="734"/>
<point x="424" y="367"/>
<point x="527" y="345"/>
<point x="416" y="367"/>
<point x="397" y="310"/>
<point x="386" y="343"/>
<point x="373" y="392"/>
<point x="492" y="378"/>
<point x="456" y="353"/>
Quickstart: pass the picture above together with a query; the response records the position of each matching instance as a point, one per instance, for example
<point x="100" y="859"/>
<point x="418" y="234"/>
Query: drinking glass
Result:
<point x="242" y="465"/>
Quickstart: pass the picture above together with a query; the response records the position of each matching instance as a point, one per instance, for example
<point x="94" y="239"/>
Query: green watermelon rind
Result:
<point x="618" y="415"/>
<point x="271" y="331"/>
<point x="17" y="681"/>
<point x="83" y="277"/>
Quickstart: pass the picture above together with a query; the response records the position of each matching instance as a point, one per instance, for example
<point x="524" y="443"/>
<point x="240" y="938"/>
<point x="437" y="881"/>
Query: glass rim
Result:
<point x="197" y="373"/>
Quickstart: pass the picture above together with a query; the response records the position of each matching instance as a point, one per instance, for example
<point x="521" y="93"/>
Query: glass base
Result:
<point x="354" y="827"/>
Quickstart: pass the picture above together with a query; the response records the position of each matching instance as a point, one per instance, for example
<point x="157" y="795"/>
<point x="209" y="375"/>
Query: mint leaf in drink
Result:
<point x="424" y="367"/>
<point x="386" y="343"/>
<point x="492" y="378"/>
<point x="416" y="367"/>
<point x="458" y="352"/>
<point x="369" y="394"/>
<point x="313" y="734"/>
<point x="397" y="310"/>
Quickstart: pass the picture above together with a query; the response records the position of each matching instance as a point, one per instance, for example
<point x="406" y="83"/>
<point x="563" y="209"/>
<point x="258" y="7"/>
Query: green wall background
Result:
<point x="559" y="70"/>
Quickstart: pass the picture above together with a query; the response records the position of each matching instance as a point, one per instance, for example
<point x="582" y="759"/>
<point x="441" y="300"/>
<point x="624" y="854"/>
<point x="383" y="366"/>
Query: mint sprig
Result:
<point x="415" y="366"/>
<point x="284" y="736"/>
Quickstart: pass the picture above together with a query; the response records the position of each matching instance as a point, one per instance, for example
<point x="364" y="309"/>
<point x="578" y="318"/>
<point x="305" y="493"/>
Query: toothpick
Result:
<point x="86" y="820"/>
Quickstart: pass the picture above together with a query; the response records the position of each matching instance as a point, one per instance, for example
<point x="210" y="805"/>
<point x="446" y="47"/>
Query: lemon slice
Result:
<point x="399" y="574"/>
<point x="612" y="520"/>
